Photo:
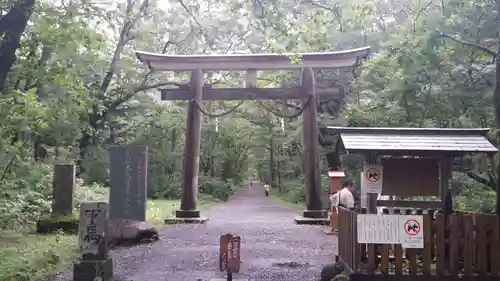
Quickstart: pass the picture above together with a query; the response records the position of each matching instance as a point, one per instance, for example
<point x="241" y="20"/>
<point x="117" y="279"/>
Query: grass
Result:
<point x="286" y="201"/>
<point x="159" y="210"/>
<point x="25" y="256"/>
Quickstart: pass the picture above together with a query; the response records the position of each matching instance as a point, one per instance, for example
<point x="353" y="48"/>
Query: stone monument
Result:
<point x="61" y="216"/>
<point x="92" y="242"/>
<point x="128" y="180"/>
<point x="63" y="187"/>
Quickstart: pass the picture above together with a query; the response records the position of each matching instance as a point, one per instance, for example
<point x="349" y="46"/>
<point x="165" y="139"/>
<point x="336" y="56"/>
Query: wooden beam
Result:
<point x="341" y="59"/>
<point x="251" y="78"/>
<point x="435" y="205"/>
<point x="252" y="94"/>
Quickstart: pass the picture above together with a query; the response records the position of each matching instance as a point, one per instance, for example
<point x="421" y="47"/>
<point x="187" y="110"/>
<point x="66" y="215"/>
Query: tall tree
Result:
<point x="12" y="26"/>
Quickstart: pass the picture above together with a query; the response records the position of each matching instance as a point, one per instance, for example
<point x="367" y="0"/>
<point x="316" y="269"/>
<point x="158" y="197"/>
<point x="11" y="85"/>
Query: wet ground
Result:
<point x="273" y="247"/>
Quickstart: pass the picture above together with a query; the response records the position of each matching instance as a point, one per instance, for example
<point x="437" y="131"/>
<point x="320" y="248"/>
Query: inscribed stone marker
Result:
<point x="92" y="230"/>
<point x="63" y="185"/>
<point x="128" y="180"/>
<point x="95" y="263"/>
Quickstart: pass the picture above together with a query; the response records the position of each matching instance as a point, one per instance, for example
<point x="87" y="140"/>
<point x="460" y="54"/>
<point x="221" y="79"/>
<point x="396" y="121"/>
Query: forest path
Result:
<point x="270" y="240"/>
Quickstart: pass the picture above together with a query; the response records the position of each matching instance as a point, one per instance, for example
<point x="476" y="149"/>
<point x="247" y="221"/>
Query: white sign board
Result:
<point x="391" y="229"/>
<point x="412" y="235"/>
<point x="372" y="178"/>
<point x="364" y="195"/>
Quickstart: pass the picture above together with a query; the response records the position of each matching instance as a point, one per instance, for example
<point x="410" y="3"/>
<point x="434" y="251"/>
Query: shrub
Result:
<point x="217" y="188"/>
<point x="25" y="194"/>
<point x="95" y="165"/>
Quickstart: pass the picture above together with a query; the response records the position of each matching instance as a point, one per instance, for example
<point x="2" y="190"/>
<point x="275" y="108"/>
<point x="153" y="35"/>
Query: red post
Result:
<point x="335" y="177"/>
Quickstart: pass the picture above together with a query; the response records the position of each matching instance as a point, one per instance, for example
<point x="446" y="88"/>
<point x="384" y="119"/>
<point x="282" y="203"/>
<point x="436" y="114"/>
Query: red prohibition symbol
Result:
<point x="372" y="175"/>
<point x="412" y="227"/>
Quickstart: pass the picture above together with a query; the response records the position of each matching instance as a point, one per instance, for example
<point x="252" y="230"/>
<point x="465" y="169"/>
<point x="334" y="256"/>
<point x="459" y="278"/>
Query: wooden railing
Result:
<point x="462" y="244"/>
<point x="348" y="248"/>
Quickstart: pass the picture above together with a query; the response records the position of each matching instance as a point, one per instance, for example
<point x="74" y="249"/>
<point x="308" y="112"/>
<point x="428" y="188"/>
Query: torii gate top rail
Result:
<point x="340" y="59"/>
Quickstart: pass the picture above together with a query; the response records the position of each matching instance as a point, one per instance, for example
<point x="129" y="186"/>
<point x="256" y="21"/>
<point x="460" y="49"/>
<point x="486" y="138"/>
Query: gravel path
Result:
<point x="269" y="236"/>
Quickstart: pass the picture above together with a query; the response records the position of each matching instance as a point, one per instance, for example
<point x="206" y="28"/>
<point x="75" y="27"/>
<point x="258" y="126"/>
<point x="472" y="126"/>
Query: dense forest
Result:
<point x="71" y="87"/>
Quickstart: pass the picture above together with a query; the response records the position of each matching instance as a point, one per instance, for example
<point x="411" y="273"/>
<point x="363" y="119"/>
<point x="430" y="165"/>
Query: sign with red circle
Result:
<point x="373" y="175"/>
<point x="412" y="227"/>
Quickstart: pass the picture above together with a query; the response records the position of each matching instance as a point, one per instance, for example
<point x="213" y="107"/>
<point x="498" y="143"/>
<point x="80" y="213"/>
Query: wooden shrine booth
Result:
<point x="417" y="162"/>
<point x="308" y="92"/>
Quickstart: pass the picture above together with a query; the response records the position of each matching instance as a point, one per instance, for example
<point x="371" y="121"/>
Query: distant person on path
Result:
<point x="344" y="196"/>
<point x="267" y="187"/>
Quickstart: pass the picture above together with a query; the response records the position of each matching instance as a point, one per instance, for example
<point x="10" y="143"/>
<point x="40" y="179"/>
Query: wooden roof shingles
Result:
<point x="394" y="140"/>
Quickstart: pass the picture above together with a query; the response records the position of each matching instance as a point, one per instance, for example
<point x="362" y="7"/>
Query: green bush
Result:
<point x="217" y="188"/>
<point x="95" y="165"/>
<point x="476" y="198"/>
<point x="25" y="194"/>
<point x="293" y="192"/>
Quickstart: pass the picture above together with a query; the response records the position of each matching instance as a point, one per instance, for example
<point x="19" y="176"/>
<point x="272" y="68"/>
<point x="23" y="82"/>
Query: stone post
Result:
<point x="61" y="217"/>
<point x="93" y="244"/>
<point x="63" y="186"/>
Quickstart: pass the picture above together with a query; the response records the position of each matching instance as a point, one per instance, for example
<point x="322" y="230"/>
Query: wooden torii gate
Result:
<point x="197" y="91"/>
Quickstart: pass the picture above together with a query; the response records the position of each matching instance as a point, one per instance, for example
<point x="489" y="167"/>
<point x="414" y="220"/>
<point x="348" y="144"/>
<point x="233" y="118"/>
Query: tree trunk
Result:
<point x="12" y="26"/>
<point x="272" y="162"/>
<point x="496" y="103"/>
<point x="278" y="165"/>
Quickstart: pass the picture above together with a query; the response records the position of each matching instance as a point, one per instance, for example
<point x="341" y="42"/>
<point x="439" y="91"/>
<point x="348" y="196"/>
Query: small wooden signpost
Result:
<point x="229" y="254"/>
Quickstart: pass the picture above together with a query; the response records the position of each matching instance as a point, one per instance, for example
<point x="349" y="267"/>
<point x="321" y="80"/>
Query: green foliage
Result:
<point x="35" y="256"/>
<point x="25" y="194"/>
<point x="217" y="188"/>
<point x="95" y="165"/>
<point x="79" y="90"/>
<point x="25" y="256"/>
<point x="294" y="192"/>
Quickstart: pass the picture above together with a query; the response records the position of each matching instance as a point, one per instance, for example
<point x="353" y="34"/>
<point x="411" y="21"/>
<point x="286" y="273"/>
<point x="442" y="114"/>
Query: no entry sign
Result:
<point x="372" y="178"/>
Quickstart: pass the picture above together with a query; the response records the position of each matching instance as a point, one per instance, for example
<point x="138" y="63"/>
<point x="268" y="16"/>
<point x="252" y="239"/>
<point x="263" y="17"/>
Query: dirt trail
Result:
<point x="269" y="236"/>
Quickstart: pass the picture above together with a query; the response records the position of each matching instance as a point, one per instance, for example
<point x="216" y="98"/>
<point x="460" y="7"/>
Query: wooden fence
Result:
<point x="461" y="245"/>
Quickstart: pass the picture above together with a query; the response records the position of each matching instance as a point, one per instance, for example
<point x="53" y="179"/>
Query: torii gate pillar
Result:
<point x="314" y="213"/>
<point x="191" y="165"/>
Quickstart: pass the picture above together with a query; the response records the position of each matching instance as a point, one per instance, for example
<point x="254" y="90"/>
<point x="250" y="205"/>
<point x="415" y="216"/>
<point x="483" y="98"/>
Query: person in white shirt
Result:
<point x="344" y="196"/>
<point x="267" y="187"/>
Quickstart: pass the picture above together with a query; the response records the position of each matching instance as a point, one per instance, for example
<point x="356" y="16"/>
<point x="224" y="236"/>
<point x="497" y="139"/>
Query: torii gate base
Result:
<point x="307" y="92"/>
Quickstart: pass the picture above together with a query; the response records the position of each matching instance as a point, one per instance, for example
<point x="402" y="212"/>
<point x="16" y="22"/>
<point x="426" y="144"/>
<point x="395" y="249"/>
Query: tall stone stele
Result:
<point x="93" y="243"/>
<point x="128" y="179"/>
